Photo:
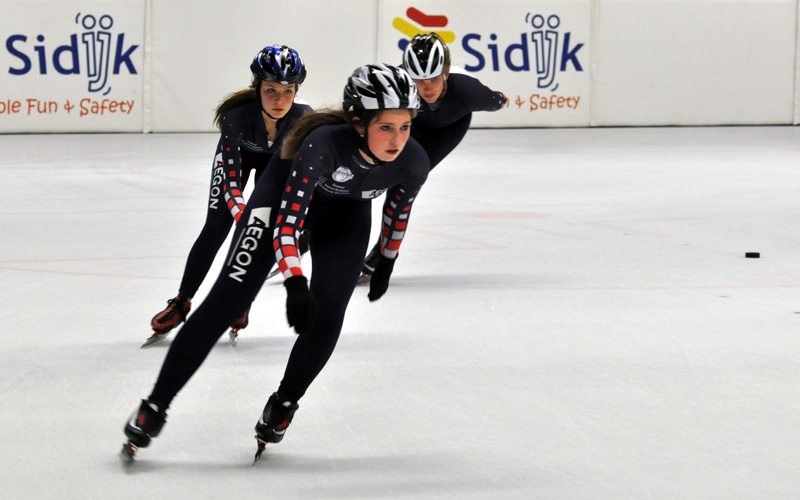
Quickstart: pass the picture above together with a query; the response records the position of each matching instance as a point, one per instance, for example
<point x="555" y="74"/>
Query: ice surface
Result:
<point x="572" y="317"/>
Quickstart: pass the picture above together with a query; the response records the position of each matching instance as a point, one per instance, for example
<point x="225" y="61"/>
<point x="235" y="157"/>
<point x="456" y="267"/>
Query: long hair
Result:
<point x="234" y="99"/>
<point x="310" y="122"/>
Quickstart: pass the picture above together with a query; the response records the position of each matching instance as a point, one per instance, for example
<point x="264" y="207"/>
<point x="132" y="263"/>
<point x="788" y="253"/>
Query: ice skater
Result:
<point x="448" y="101"/>
<point x="253" y="123"/>
<point x="341" y="161"/>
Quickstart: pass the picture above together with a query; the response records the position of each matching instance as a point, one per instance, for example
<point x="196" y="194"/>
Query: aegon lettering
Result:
<point x="243" y="256"/>
<point x="218" y="177"/>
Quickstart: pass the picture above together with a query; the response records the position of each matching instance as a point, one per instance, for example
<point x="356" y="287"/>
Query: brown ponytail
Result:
<point x="307" y="124"/>
<point x="232" y="100"/>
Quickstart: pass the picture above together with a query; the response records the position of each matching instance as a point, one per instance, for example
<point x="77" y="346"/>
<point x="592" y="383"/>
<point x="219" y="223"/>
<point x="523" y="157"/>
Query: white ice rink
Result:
<point x="572" y="317"/>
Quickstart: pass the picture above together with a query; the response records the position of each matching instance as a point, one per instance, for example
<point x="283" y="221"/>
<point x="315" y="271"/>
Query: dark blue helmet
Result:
<point x="280" y="64"/>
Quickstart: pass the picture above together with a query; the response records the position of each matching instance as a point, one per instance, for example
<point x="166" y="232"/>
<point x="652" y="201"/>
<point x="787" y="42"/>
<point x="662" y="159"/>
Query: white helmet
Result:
<point x="426" y="57"/>
<point x="378" y="87"/>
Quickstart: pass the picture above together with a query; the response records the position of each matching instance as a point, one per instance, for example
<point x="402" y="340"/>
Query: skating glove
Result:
<point x="301" y="307"/>
<point x="379" y="282"/>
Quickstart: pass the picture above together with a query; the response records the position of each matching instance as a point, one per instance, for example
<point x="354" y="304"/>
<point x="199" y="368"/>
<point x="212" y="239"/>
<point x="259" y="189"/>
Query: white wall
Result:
<point x="689" y="62"/>
<point x="202" y="49"/>
<point x="601" y="63"/>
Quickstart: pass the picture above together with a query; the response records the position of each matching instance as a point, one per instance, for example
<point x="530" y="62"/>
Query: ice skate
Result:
<point x="239" y="324"/>
<point x="274" y="421"/>
<point x="144" y="424"/>
<point x="370" y="262"/>
<point x="174" y="314"/>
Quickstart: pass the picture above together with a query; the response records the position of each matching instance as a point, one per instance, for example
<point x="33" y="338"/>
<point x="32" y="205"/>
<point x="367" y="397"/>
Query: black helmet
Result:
<point x="279" y="63"/>
<point x="426" y="57"/>
<point x="378" y="87"/>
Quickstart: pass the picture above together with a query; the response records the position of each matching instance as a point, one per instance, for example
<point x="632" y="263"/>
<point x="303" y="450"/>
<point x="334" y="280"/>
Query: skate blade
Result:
<point x="364" y="278"/>
<point x="156" y="337"/>
<point x="274" y="272"/>
<point x="233" y="337"/>
<point x="127" y="453"/>
<point x="261" y="446"/>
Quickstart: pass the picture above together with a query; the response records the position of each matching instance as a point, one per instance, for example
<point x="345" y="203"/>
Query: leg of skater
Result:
<point x="339" y="234"/>
<point x="245" y="270"/>
<point x="201" y="257"/>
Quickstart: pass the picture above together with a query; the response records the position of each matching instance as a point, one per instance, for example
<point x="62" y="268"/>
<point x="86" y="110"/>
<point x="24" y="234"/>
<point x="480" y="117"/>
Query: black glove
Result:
<point x="301" y="307"/>
<point x="379" y="282"/>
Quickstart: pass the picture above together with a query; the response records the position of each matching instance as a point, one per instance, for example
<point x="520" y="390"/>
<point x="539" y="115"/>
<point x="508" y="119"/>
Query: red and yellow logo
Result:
<point x="424" y="24"/>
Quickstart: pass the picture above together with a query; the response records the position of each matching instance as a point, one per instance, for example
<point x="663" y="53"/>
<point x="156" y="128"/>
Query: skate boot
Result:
<point x="274" y="421"/>
<point x="369" y="263"/>
<point x="144" y="424"/>
<point x="239" y="324"/>
<point x="302" y="245"/>
<point x="174" y="314"/>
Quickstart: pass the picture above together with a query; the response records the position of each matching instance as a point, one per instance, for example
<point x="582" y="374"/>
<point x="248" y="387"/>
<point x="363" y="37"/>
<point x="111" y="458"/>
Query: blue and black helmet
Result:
<point x="280" y="64"/>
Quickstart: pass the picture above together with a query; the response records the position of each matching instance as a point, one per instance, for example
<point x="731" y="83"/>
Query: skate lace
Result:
<point x="174" y="308"/>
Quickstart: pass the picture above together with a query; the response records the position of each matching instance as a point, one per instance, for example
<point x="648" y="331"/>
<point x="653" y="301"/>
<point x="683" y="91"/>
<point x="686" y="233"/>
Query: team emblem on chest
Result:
<point x="342" y="174"/>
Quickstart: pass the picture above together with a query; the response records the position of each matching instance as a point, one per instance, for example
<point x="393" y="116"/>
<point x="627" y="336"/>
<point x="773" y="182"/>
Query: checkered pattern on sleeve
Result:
<point x="232" y="163"/>
<point x="396" y="210"/>
<point x="292" y="213"/>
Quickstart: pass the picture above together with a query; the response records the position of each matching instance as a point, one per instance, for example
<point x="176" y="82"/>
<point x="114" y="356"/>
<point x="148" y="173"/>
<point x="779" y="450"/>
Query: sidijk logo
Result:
<point x="98" y="53"/>
<point x="544" y="50"/>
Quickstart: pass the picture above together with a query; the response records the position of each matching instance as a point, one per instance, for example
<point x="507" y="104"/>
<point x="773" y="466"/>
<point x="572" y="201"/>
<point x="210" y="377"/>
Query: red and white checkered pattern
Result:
<point x="293" y="210"/>
<point x="232" y="161"/>
<point x="395" y="220"/>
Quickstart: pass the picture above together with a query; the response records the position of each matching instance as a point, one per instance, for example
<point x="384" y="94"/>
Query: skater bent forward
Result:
<point x="341" y="161"/>
<point x="253" y="124"/>
<point x="446" y="107"/>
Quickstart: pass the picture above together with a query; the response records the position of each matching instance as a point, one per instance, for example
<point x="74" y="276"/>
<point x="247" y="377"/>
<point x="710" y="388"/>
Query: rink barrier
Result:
<point x="164" y="65"/>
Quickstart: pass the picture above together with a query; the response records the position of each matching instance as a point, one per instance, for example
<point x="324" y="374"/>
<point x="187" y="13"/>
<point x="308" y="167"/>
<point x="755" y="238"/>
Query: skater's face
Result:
<point x="388" y="133"/>
<point x="431" y="89"/>
<point x="276" y="98"/>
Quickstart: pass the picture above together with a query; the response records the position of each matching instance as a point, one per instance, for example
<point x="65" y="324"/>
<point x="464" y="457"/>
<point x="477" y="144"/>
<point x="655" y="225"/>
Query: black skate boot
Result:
<point x="369" y="263"/>
<point x="144" y="424"/>
<point x="239" y="324"/>
<point x="274" y="421"/>
<point x="174" y="314"/>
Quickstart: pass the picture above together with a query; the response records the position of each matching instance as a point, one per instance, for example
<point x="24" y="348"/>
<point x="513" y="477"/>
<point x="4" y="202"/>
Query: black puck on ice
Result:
<point x="752" y="255"/>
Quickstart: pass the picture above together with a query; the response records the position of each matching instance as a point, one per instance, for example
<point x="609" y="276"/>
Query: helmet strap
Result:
<point x="260" y="103"/>
<point x="444" y="87"/>
<point x="269" y="115"/>
<point x="363" y="144"/>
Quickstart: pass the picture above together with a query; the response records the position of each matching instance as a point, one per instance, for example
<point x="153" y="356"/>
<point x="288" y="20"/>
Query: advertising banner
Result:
<point x="71" y="66"/>
<point x="537" y="54"/>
